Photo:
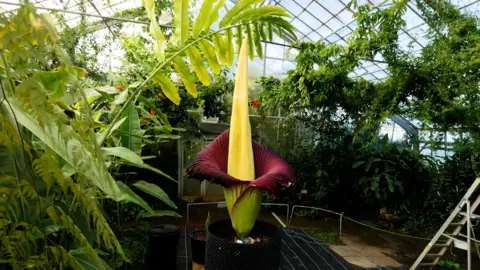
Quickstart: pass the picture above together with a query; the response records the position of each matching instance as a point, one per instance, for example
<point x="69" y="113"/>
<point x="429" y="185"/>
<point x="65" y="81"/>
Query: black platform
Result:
<point x="300" y="251"/>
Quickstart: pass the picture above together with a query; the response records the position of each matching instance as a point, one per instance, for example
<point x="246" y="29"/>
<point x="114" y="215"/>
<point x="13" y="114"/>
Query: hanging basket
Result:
<point x="224" y="253"/>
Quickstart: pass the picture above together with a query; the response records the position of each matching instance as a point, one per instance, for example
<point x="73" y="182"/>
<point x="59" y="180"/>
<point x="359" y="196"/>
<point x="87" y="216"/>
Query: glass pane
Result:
<point x="324" y="31"/>
<point x="300" y="26"/>
<point x="335" y="24"/>
<point x="273" y="68"/>
<point x="319" y="12"/>
<point x="291" y="7"/>
<point x="311" y="21"/>
<point x="333" y="6"/>
<point x="288" y="65"/>
<point x="345" y="16"/>
<point x="314" y="36"/>
<point x="274" y="51"/>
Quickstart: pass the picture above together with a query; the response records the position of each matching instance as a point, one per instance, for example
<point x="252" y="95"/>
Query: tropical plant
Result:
<point x="58" y="157"/>
<point x="243" y="168"/>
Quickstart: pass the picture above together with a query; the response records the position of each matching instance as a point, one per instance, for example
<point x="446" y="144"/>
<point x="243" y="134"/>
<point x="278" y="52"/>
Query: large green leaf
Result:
<point x="124" y="153"/>
<point x="181" y="21"/>
<point x="116" y="126"/>
<point x="155" y="191"/>
<point x="236" y="10"/>
<point x="161" y="213"/>
<point x="130" y="196"/>
<point x="131" y="131"/>
<point x="70" y="148"/>
<point x="82" y="258"/>
<point x="133" y="159"/>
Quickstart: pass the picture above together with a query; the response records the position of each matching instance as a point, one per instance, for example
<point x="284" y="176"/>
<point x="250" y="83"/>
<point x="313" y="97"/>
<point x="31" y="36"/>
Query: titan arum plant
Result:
<point x="244" y="168"/>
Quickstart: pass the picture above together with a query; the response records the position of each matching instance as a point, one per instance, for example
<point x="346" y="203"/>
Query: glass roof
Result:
<point x="328" y="20"/>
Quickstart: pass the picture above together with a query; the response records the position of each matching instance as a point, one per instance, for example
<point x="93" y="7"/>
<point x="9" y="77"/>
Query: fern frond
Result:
<point x="210" y="55"/>
<point x="257" y="40"/>
<point x="197" y="65"/>
<point x="181" y="21"/>
<point x="251" y="53"/>
<point x="218" y="42"/>
<point x="203" y="17"/>
<point x="236" y="10"/>
<point x="186" y="76"/>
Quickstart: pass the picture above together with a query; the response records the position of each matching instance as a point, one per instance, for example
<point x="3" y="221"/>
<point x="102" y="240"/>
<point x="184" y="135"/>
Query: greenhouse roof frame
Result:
<point x="330" y="21"/>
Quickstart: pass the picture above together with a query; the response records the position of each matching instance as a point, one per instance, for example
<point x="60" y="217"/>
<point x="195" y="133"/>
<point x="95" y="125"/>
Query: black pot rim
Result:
<point x="196" y="231"/>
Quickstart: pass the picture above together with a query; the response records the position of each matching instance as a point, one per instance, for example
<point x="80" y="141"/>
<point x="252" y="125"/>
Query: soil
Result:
<point x="256" y="239"/>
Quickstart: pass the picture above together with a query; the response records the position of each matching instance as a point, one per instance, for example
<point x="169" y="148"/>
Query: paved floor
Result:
<point x="301" y="251"/>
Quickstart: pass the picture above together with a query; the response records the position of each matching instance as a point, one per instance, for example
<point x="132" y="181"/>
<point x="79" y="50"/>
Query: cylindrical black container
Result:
<point x="162" y="247"/>
<point x="223" y="253"/>
<point x="198" y="246"/>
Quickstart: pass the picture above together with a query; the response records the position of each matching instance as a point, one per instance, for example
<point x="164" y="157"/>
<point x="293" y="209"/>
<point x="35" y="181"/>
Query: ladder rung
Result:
<point x="473" y="216"/>
<point x="442" y="245"/>
<point x="456" y="224"/>
<point x="434" y="255"/>
<point x="427" y="264"/>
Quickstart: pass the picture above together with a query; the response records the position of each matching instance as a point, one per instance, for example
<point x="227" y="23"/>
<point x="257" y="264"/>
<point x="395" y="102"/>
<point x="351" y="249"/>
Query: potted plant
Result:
<point x="245" y="169"/>
<point x="198" y="242"/>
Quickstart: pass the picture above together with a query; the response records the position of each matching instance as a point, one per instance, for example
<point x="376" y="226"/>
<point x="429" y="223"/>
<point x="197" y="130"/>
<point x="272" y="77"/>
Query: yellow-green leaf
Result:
<point x="220" y="48"/>
<point x="229" y="46"/>
<point x="258" y="42"/>
<point x="261" y="29"/>
<point x="168" y="88"/>
<point x="210" y="55"/>
<point x="251" y="53"/>
<point x="149" y="6"/>
<point x="239" y="37"/>
<point x="214" y="14"/>
<point x="197" y="65"/>
<point x="187" y="77"/>
<point x="202" y="18"/>
<point x="259" y="12"/>
<point x="240" y="7"/>
<point x="269" y="31"/>
<point x="155" y="31"/>
<point x="280" y="24"/>
<point x="181" y="20"/>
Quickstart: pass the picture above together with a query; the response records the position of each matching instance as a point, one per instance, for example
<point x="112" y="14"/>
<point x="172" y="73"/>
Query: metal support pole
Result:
<point x="469" y="246"/>
<point x="340" y="229"/>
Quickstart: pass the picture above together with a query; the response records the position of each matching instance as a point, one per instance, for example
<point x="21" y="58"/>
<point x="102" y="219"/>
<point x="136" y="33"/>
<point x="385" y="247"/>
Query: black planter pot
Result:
<point x="223" y="253"/>
<point x="198" y="246"/>
<point x="162" y="247"/>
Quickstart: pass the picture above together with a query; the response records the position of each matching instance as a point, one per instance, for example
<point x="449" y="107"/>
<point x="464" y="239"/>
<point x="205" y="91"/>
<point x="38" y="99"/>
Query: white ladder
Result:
<point x="452" y="238"/>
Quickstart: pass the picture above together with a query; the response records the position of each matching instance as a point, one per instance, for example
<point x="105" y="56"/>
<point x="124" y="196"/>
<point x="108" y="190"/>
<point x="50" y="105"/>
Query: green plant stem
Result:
<point x="139" y="89"/>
